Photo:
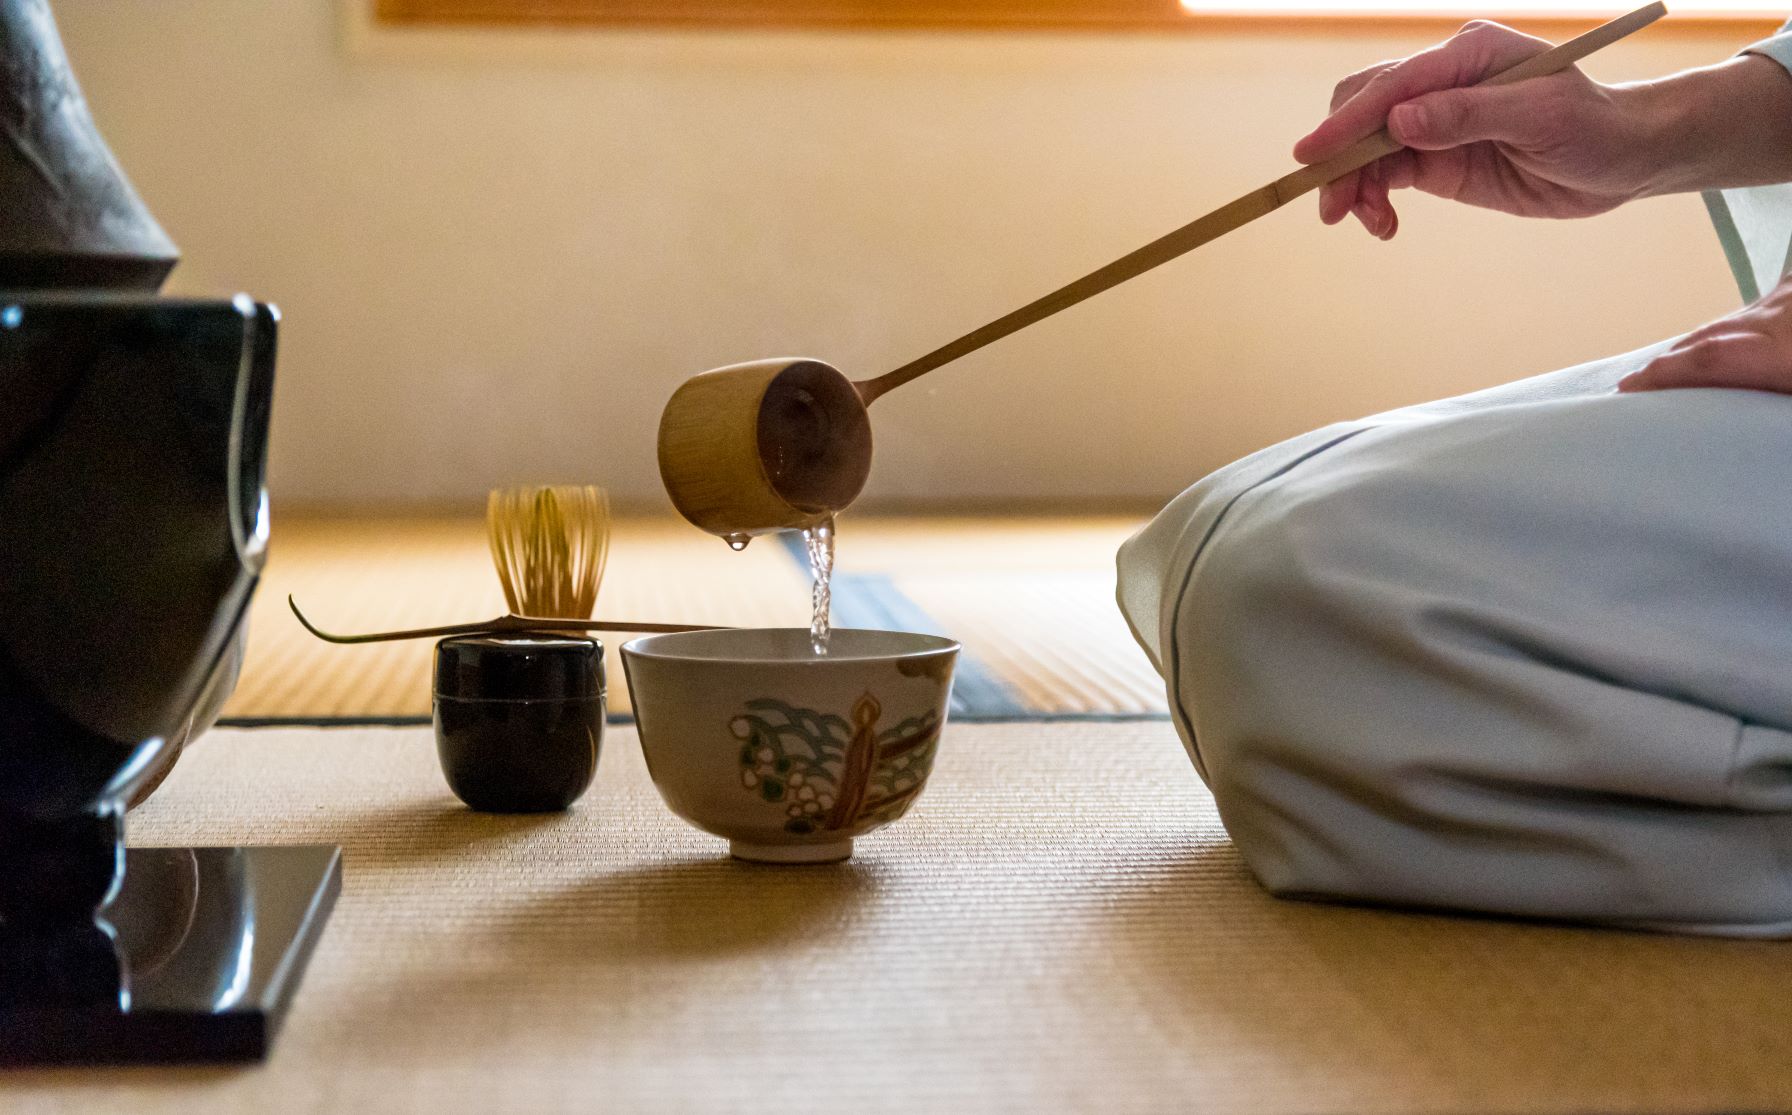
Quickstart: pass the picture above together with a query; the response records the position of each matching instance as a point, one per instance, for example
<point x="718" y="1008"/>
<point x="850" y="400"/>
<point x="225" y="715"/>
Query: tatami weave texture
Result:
<point x="1032" y="600"/>
<point x="1059" y="926"/>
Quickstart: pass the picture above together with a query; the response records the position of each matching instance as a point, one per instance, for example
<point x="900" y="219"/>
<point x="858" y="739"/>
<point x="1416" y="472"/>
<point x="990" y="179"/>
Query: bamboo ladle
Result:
<point x="781" y="444"/>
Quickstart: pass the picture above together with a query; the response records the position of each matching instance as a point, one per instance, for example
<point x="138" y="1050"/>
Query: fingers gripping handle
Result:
<point x="1554" y="60"/>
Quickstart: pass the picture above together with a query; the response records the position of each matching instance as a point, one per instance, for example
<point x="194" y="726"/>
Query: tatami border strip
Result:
<point x="626" y="718"/>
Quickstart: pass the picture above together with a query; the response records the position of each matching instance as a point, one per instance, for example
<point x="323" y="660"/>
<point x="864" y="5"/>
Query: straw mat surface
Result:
<point x="1060" y="925"/>
<point x="1031" y="599"/>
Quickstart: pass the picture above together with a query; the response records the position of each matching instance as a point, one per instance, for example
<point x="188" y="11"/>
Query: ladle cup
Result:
<point x="782" y="444"/>
<point x="769" y="445"/>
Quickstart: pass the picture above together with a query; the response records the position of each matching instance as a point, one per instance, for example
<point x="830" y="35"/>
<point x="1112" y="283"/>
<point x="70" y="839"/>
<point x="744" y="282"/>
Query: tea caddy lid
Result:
<point x="519" y="668"/>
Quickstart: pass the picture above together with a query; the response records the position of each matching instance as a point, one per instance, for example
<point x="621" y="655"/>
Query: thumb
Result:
<point x="1453" y="117"/>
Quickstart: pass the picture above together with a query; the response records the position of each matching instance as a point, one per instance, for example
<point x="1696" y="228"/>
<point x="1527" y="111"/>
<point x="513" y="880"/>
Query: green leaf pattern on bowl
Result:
<point x="830" y="773"/>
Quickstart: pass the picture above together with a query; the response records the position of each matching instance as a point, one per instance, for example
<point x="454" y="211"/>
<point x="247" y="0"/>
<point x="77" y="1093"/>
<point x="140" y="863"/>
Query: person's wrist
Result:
<point x="1668" y="137"/>
<point x="1721" y="126"/>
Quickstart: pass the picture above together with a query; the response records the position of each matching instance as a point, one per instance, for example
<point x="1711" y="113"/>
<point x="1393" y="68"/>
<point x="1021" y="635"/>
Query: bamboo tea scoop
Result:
<point x="781" y="444"/>
<point x="511" y="624"/>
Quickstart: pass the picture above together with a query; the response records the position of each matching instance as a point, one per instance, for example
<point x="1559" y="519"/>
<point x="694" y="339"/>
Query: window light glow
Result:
<point x="1469" y="9"/>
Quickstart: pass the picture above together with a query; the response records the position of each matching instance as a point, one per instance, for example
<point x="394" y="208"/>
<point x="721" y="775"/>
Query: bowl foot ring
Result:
<point x="832" y="852"/>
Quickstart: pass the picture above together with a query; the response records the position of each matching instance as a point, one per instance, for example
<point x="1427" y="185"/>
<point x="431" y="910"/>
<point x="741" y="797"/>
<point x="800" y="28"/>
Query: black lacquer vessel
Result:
<point x="68" y="215"/>
<point x="133" y="527"/>
<point x="519" y="719"/>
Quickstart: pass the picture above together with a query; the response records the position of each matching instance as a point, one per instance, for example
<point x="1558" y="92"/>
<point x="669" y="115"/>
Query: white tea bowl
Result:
<point x="751" y="735"/>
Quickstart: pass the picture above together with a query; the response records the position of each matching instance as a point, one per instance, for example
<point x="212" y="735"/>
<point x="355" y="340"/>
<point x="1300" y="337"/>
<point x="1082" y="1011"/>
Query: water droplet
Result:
<point x="737" y="542"/>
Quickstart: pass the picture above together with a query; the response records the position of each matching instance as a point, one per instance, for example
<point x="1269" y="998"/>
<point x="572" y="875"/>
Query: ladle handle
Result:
<point x="1243" y="211"/>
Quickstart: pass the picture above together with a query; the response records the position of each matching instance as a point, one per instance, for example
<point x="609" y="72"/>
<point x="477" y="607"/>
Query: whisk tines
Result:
<point x="550" y="545"/>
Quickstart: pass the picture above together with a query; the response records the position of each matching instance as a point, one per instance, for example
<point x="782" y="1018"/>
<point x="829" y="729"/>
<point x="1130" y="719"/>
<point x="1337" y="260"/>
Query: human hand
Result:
<point x="1752" y="348"/>
<point x="1556" y="146"/>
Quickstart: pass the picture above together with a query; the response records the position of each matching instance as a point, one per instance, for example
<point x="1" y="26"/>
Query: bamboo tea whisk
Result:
<point x="550" y="545"/>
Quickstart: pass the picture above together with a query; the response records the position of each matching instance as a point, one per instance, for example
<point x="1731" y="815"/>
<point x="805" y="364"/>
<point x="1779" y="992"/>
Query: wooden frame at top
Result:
<point x="1090" y="15"/>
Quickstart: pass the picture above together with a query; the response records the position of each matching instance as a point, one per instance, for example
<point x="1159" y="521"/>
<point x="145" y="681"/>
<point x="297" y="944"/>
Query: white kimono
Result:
<point x="1526" y="651"/>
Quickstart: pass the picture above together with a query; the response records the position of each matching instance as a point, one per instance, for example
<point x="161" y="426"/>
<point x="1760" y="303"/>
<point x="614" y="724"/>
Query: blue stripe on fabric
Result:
<point x="872" y="600"/>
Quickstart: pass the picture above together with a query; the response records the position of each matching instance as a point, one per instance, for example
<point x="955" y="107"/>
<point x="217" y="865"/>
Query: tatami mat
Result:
<point x="1031" y="599"/>
<point x="1060" y="925"/>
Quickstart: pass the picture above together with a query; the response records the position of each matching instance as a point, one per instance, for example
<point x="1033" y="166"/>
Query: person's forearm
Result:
<point x="1720" y="127"/>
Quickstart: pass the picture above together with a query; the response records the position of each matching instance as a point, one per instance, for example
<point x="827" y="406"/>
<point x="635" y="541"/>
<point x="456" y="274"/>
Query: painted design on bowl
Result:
<point x="829" y="774"/>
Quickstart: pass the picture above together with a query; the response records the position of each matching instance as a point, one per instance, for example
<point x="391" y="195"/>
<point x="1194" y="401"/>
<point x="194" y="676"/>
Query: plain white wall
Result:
<point x="498" y="253"/>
